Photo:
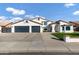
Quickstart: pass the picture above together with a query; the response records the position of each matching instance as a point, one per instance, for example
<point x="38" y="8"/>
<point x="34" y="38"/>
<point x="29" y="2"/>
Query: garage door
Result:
<point x="35" y="28"/>
<point x="6" y="30"/>
<point x="21" y="28"/>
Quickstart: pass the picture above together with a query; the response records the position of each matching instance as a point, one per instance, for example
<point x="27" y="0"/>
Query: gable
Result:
<point x="38" y="19"/>
<point x="26" y="23"/>
<point x="63" y="23"/>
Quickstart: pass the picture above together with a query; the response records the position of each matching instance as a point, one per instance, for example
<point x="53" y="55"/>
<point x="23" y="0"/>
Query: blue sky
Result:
<point x="52" y="11"/>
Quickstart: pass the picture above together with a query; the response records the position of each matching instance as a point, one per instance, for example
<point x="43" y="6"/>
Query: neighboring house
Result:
<point x="3" y="27"/>
<point x="75" y="25"/>
<point x="61" y="26"/>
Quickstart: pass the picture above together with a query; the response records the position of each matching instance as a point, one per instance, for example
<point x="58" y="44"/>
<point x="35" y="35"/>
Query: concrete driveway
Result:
<point x="34" y="43"/>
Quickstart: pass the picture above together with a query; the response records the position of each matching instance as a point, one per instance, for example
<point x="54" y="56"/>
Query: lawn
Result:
<point x="61" y="36"/>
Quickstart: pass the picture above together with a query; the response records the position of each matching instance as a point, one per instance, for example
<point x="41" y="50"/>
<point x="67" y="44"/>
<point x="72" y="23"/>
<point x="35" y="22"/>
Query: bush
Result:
<point x="72" y="34"/>
<point x="60" y="36"/>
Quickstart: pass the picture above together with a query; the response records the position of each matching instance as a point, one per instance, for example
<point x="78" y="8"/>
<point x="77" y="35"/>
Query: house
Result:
<point x="37" y="24"/>
<point x="27" y="26"/>
<point x="60" y="26"/>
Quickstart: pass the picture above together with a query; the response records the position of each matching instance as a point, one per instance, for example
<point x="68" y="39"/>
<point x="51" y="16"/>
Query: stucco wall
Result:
<point x="0" y="29"/>
<point x="49" y="22"/>
<point x="67" y="31"/>
<point x="62" y="23"/>
<point x="39" y="21"/>
<point x="53" y="27"/>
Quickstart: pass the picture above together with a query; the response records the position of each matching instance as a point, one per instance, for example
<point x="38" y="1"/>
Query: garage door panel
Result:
<point x="35" y="28"/>
<point x="21" y="28"/>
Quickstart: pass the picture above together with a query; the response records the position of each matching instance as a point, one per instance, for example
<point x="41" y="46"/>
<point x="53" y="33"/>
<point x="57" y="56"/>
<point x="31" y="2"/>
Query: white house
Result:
<point x="26" y="26"/>
<point x="61" y="26"/>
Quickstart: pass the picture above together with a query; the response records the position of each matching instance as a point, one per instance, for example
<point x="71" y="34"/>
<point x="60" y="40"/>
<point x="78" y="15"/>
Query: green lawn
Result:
<point x="61" y="36"/>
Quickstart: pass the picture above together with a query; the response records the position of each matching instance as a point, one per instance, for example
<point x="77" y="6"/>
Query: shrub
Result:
<point x="60" y="36"/>
<point x="72" y="34"/>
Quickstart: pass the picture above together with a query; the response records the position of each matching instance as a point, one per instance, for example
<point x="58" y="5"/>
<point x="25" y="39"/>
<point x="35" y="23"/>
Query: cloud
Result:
<point x="15" y="11"/>
<point x="14" y="19"/>
<point x="3" y="19"/>
<point x="40" y="16"/>
<point x="33" y="16"/>
<point x="76" y="12"/>
<point x="29" y="16"/>
<point x="69" y="5"/>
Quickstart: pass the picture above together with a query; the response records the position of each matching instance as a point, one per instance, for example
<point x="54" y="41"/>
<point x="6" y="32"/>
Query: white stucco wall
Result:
<point x="12" y="29"/>
<point x="49" y="22"/>
<point x="70" y="31"/>
<point x="63" y="23"/>
<point x="57" y="28"/>
<point x="67" y="31"/>
<point x="0" y="29"/>
<point x="41" y="29"/>
<point x="53" y="27"/>
<point x="60" y="28"/>
<point x="39" y="21"/>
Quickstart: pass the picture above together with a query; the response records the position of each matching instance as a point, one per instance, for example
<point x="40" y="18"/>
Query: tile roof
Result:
<point x="74" y="23"/>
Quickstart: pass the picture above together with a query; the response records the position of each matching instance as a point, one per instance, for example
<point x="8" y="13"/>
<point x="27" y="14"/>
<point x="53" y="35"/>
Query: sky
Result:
<point x="50" y="11"/>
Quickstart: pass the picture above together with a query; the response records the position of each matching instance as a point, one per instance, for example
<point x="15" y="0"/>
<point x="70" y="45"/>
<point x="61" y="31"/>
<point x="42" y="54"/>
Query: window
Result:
<point x="67" y="27"/>
<point x="63" y="28"/>
<point x="45" y="23"/>
<point x="26" y="21"/>
<point x="38" y="18"/>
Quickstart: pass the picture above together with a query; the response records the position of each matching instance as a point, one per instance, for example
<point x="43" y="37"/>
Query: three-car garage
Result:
<point x="27" y="28"/>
